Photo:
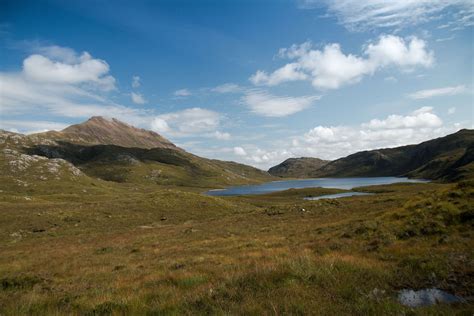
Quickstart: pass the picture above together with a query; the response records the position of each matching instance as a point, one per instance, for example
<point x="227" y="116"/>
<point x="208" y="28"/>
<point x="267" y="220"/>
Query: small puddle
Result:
<point x="426" y="297"/>
<point x="336" y="196"/>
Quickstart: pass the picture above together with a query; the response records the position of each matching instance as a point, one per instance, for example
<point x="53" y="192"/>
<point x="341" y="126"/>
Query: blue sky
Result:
<point x="250" y="81"/>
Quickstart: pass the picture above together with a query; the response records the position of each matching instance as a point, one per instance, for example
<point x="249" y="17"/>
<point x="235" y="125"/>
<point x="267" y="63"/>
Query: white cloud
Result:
<point x="62" y="84"/>
<point x="239" y="151"/>
<point x="445" y="39"/>
<point x="20" y="95"/>
<point x="227" y="88"/>
<point x="394" y="50"/>
<point x="332" y="142"/>
<point x="451" y="110"/>
<point x="289" y="72"/>
<point x="420" y="118"/>
<point x="330" y="68"/>
<point x="69" y="69"/>
<point x="160" y="125"/>
<point x="182" y="93"/>
<point x="74" y="95"/>
<point x="261" y="158"/>
<point x="29" y="127"/>
<point x="137" y="98"/>
<point x="136" y="81"/>
<point x="265" y="104"/>
<point x="358" y="15"/>
<point x="391" y="79"/>
<point x="430" y="93"/>
<point x="221" y="135"/>
<point x="55" y="52"/>
<point x="189" y="123"/>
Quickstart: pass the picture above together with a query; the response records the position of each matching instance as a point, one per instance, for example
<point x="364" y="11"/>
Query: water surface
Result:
<point x="336" y="196"/>
<point x="426" y="297"/>
<point x="337" y="183"/>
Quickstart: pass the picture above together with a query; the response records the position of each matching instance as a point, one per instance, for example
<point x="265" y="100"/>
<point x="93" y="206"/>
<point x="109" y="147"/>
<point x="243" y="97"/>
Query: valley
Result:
<point x="90" y="226"/>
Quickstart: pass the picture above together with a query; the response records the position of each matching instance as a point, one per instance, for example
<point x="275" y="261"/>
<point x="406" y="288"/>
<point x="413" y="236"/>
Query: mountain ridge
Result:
<point x="444" y="158"/>
<point x="110" y="150"/>
<point x="98" y="130"/>
<point x="297" y="167"/>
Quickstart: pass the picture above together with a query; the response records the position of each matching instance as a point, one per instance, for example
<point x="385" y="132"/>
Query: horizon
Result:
<point x="296" y="79"/>
<point x="278" y="163"/>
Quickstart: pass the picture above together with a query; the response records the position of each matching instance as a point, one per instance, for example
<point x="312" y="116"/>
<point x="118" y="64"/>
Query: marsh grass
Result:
<point x="126" y="249"/>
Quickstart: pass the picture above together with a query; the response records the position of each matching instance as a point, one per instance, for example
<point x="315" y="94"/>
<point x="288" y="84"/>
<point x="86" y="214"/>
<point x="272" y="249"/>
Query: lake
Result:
<point x="337" y="183"/>
<point x="336" y="196"/>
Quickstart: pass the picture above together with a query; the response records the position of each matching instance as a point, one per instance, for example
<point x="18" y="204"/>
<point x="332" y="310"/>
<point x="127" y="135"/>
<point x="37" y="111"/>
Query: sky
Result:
<point x="250" y="81"/>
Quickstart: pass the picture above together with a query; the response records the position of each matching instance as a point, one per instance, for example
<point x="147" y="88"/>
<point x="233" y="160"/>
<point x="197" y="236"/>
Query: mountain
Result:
<point x="446" y="158"/>
<point x="101" y="131"/>
<point x="114" y="151"/>
<point x="297" y="167"/>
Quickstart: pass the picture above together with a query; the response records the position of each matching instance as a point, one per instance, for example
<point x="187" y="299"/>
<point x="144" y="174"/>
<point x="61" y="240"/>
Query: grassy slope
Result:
<point x="113" y="249"/>
<point x="297" y="167"/>
<point x="436" y="159"/>
<point x="139" y="166"/>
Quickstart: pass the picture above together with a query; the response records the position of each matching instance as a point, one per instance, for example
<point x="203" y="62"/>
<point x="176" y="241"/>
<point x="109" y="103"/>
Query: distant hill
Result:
<point x="101" y="131"/>
<point x="297" y="167"/>
<point x="114" y="151"/>
<point x="448" y="158"/>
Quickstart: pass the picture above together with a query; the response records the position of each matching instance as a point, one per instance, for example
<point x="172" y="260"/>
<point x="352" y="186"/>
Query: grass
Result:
<point x="122" y="248"/>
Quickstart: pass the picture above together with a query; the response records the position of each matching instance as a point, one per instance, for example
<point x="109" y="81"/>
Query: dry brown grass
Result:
<point x="175" y="252"/>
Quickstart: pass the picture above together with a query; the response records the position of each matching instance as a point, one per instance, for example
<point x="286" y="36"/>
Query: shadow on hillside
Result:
<point x="83" y="154"/>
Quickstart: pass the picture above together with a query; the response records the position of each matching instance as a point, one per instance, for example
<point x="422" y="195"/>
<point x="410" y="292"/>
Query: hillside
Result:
<point x="444" y="158"/>
<point x="94" y="151"/>
<point x="101" y="131"/>
<point x="297" y="167"/>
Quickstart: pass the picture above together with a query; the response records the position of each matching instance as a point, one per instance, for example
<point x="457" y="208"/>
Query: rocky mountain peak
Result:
<point x="111" y="131"/>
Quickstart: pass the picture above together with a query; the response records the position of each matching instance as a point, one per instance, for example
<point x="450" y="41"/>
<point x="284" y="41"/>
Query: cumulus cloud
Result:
<point x="358" y="15"/>
<point x="451" y="110"/>
<point x="289" y="72"/>
<point x="330" y="68"/>
<point x="190" y="123"/>
<point x="61" y="83"/>
<point x="261" y="158"/>
<point x="420" y="118"/>
<point x="182" y="93"/>
<point x="394" y="50"/>
<point x="430" y="93"/>
<point x="239" y="151"/>
<point x="265" y="104"/>
<point x="64" y="54"/>
<point x="69" y="69"/>
<point x="137" y="98"/>
<point x="136" y="81"/>
<point x="395" y="130"/>
<point x="332" y="142"/>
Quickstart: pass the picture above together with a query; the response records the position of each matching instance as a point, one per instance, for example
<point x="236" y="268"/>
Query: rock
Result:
<point x="128" y="159"/>
<point x="377" y="294"/>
